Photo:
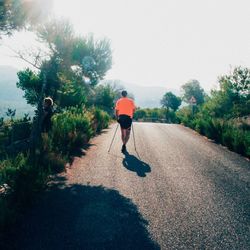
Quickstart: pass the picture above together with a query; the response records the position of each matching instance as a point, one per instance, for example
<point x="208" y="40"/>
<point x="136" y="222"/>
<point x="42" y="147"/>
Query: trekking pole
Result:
<point x="113" y="137"/>
<point x="134" y="136"/>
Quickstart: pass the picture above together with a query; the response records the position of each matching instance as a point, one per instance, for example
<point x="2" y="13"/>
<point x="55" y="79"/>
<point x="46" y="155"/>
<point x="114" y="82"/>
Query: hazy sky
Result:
<point x="163" y="42"/>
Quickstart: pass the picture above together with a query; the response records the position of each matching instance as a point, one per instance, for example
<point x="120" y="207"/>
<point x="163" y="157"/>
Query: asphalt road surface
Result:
<point x="178" y="191"/>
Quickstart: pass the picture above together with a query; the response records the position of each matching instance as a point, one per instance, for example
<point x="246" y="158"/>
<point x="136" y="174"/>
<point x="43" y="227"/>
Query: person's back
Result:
<point x="125" y="106"/>
<point x="125" y="109"/>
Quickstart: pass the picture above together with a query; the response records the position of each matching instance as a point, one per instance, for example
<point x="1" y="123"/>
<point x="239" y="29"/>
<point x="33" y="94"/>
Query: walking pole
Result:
<point x="113" y="137"/>
<point x="134" y="136"/>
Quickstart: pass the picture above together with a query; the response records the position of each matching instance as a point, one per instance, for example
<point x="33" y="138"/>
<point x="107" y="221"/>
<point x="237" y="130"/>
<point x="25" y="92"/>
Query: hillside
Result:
<point x="147" y="96"/>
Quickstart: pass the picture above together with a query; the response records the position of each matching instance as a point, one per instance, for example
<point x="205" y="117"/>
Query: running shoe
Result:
<point x="124" y="148"/>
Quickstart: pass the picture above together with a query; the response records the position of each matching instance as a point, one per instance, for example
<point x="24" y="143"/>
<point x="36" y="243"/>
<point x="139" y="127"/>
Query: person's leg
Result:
<point x="127" y="135"/>
<point x="123" y="135"/>
<point x="123" y="132"/>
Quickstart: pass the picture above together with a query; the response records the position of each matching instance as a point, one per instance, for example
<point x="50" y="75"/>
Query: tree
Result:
<point x="233" y="97"/>
<point x="171" y="101"/>
<point x="140" y="113"/>
<point x="117" y="88"/>
<point x="31" y="83"/>
<point x="18" y="14"/>
<point x="67" y="77"/>
<point x="11" y="113"/>
<point x="104" y="97"/>
<point x="193" y="88"/>
<point x="59" y="75"/>
<point x="94" y="57"/>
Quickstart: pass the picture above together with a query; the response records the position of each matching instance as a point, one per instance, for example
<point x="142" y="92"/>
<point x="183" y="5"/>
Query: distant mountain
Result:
<point x="10" y="95"/>
<point x="147" y="96"/>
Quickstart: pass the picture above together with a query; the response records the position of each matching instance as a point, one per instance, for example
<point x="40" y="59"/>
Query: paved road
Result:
<point x="178" y="191"/>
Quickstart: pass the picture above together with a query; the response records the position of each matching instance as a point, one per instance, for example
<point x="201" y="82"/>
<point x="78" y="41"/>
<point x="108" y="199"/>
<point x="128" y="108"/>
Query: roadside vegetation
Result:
<point x="223" y="115"/>
<point x="68" y="71"/>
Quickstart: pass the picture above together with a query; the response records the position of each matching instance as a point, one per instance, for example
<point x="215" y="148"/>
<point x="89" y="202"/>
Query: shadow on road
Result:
<point x="132" y="163"/>
<point x="82" y="217"/>
<point x="79" y="152"/>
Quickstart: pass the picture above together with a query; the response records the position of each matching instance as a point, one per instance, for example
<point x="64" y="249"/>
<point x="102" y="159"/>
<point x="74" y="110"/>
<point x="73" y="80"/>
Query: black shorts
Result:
<point x="125" y="121"/>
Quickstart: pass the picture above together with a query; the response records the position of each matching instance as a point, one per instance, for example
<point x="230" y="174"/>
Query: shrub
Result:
<point x="20" y="130"/>
<point x="100" y="120"/>
<point x="23" y="179"/>
<point x="55" y="161"/>
<point x="71" y="129"/>
<point x="237" y="139"/>
<point x="21" y="175"/>
<point x="247" y="143"/>
<point x="185" y="116"/>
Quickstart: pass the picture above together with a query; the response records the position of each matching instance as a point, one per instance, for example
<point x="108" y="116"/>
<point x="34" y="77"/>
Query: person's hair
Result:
<point x="48" y="100"/>
<point x="124" y="93"/>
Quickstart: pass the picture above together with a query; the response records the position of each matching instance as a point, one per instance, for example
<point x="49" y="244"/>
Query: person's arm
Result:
<point x="134" y="108"/>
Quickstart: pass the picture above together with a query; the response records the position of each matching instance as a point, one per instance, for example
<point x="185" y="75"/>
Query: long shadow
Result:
<point x="81" y="217"/>
<point x="79" y="152"/>
<point x="132" y="163"/>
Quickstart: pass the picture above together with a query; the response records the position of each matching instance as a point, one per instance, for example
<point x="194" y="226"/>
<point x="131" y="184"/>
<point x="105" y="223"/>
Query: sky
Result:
<point x="160" y="42"/>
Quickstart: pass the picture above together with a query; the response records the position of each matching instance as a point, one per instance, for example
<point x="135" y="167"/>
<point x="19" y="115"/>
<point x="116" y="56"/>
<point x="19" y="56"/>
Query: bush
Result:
<point x="20" y="130"/>
<point x="236" y="139"/>
<point x="71" y="129"/>
<point x="185" y="117"/>
<point x="101" y="120"/>
<point x="156" y="115"/>
<point x="231" y="133"/>
<point x="23" y="179"/>
<point x="55" y="161"/>
<point x="21" y="175"/>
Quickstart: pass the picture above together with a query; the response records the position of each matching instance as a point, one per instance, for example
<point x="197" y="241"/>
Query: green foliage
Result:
<point x="54" y="160"/>
<point x="155" y="115"/>
<point x="23" y="179"/>
<point x="238" y="81"/>
<point x="73" y="63"/>
<point x="171" y="101"/>
<point x="13" y="130"/>
<point x="234" y="92"/>
<point x="71" y="129"/>
<point x="220" y="117"/>
<point x="193" y="88"/>
<point x="58" y="34"/>
<point x="17" y="14"/>
<point x="140" y="114"/>
<point x="100" y="120"/>
<point x="11" y="113"/>
<point x="185" y="116"/>
<point x="70" y="74"/>
<point x="30" y="82"/>
<point x="103" y="97"/>
<point x="236" y="138"/>
<point x="1" y="121"/>
<point x="71" y="93"/>
<point x="21" y="130"/>
<point x="233" y="97"/>
<point x="94" y="57"/>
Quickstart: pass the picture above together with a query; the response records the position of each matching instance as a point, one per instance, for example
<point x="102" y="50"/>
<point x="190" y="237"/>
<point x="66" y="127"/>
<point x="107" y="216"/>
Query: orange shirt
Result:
<point x="125" y="106"/>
